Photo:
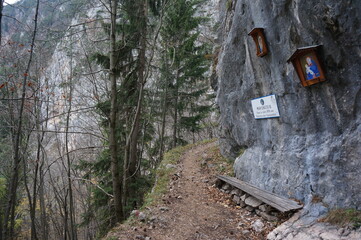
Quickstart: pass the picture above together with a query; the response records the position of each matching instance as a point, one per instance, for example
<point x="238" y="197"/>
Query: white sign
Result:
<point x="265" y="107"/>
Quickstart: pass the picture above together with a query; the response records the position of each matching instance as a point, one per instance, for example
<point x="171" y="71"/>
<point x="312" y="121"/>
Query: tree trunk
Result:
<point x="130" y="156"/>
<point x="72" y="227"/>
<point x="112" y="118"/>
<point x="1" y="17"/>
<point x="164" y="114"/>
<point x="43" y="218"/>
<point x="175" y="126"/>
<point x="14" y="181"/>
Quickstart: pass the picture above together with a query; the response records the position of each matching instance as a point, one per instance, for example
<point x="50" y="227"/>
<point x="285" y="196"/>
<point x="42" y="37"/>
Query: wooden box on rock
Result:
<point x="259" y="39"/>
<point x="307" y="64"/>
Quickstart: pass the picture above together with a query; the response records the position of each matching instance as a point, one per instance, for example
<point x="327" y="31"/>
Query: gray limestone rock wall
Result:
<point x="313" y="150"/>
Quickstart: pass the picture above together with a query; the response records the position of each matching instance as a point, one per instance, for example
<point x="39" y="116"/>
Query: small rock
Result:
<point x="170" y="166"/>
<point x="235" y="192"/>
<point x="163" y="209"/>
<point x="226" y="187"/>
<point x="271" y="236"/>
<point x="268" y="217"/>
<point x="179" y="197"/>
<point x="147" y="238"/>
<point x="138" y="214"/>
<point x="245" y="232"/>
<point x="265" y="208"/>
<point x="241" y="224"/>
<point x="140" y="237"/>
<point x="258" y="225"/>
<point x="206" y="181"/>
<point x="236" y="199"/>
<point x="243" y="198"/>
<point x="253" y="202"/>
<point x="153" y="219"/>
<point x="344" y="232"/>
<point x="249" y="209"/>
<point x="142" y="216"/>
<point x="242" y="204"/>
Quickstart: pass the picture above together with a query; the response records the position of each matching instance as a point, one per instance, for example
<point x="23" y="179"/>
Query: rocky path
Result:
<point x="194" y="209"/>
<point x="196" y="214"/>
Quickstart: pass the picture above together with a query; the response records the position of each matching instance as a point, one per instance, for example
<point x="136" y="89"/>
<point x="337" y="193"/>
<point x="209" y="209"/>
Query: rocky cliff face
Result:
<point x="313" y="150"/>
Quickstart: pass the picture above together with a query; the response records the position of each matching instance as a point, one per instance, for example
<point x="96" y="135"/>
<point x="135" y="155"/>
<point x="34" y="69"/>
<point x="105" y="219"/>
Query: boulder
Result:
<point x="314" y="147"/>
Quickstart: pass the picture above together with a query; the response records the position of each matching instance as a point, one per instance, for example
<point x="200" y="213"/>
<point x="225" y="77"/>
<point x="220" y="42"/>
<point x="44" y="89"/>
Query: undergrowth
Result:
<point x="216" y="163"/>
<point x="344" y="217"/>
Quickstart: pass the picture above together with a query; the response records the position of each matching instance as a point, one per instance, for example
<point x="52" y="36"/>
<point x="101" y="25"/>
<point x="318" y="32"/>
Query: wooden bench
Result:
<point x="280" y="203"/>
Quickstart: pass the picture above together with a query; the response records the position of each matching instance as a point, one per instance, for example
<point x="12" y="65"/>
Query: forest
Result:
<point x="92" y="94"/>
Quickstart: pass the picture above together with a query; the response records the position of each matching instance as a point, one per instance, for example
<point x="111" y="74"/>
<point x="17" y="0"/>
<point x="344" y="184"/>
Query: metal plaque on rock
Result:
<point x="265" y="107"/>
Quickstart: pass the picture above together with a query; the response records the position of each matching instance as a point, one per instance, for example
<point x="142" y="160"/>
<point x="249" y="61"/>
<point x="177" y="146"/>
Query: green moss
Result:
<point x="229" y="4"/>
<point x="2" y="186"/>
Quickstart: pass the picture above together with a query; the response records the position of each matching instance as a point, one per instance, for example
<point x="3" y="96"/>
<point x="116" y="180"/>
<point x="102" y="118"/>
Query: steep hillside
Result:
<point x="312" y="151"/>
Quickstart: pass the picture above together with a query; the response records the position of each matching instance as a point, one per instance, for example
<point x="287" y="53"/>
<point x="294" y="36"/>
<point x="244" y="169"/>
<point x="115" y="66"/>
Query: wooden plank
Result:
<point x="280" y="203"/>
<point x="268" y="197"/>
<point x="276" y="201"/>
<point x="271" y="199"/>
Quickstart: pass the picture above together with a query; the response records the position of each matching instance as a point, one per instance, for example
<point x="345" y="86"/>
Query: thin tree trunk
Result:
<point x="72" y="227"/>
<point x="66" y="225"/>
<point x="1" y="23"/>
<point x="130" y="156"/>
<point x="175" y="126"/>
<point x="164" y="114"/>
<point x="43" y="218"/>
<point x="13" y="186"/>
<point x="112" y="119"/>
<point x="32" y="199"/>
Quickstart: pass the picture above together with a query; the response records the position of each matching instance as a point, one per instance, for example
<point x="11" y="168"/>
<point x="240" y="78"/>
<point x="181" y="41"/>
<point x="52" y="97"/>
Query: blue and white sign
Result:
<point x="265" y="107"/>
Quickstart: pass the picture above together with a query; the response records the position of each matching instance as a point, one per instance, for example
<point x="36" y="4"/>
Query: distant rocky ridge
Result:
<point x="313" y="150"/>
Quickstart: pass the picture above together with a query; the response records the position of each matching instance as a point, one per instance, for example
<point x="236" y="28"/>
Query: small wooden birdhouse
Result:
<point x="259" y="39"/>
<point x="307" y="64"/>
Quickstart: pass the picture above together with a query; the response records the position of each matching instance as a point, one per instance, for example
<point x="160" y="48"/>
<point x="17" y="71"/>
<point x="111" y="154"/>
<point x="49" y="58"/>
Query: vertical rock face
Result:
<point x="314" y="148"/>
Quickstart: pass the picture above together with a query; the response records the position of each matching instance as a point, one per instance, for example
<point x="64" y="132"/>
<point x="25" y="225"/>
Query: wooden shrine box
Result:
<point x="307" y="64"/>
<point x="260" y="41"/>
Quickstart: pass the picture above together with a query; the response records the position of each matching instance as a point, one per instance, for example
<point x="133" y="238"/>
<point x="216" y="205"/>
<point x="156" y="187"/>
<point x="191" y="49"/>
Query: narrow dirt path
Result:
<point x="196" y="215"/>
<point x="194" y="209"/>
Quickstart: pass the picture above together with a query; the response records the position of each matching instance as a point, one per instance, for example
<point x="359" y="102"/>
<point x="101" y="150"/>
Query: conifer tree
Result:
<point x="183" y="69"/>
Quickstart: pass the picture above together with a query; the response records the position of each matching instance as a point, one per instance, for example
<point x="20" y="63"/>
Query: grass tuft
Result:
<point x="215" y="163"/>
<point x="344" y="217"/>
